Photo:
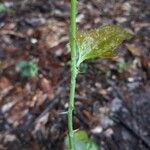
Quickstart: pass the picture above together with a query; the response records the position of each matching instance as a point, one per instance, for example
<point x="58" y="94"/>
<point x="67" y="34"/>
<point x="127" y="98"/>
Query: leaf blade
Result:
<point x="101" y="42"/>
<point x="82" y="141"/>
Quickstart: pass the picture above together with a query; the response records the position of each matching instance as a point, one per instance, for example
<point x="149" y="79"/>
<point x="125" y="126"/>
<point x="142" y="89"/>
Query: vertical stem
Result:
<point x="73" y="71"/>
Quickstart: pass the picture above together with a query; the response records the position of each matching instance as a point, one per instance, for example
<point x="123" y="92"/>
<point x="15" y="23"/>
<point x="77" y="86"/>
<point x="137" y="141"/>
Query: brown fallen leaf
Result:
<point x="48" y="34"/>
<point x="146" y="64"/>
<point x="134" y="50"/>
<point x="7" y="32"/>
<point x="145" y="60"/>
<point x="46" y="86"/>
<point x="90" y="117"/>
<point x="4" y="83"/>
<point x="11" y="49"/>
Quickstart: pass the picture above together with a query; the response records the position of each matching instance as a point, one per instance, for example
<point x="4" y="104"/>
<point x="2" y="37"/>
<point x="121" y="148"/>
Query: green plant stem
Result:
<point x="73" y="71"/>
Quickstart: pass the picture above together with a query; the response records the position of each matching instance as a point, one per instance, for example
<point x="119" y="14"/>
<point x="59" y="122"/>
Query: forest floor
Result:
<point x="112" y="101"/>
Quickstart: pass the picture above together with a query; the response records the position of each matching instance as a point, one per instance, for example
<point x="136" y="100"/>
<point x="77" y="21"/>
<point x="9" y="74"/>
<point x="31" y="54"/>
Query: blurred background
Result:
<point x="112" y="95"/>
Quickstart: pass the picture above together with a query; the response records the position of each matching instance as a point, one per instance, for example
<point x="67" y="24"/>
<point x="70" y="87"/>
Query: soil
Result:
<point x="113" y="95"/>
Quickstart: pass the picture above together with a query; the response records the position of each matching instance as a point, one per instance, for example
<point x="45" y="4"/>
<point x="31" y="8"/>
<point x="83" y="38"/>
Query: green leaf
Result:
<point x="80" y="135"/>
<point x="83" y="68"/>
<point x="82" y="141"/>
<point x="121" y="66"/>
<point x="3" y="8"/>
<point x="100" y="42"/>
<point x="27" y="68"/>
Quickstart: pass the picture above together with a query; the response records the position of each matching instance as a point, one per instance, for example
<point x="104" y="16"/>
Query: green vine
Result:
<point x="95" y="43"/>
<point x="73" y="72"/>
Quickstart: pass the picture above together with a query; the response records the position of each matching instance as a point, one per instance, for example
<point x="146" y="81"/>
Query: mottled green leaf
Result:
<point x="3" y="8"/>
<point x="100" y="42"/>
<point x="82" y="141"/>
<point x="27" y="68"/>
<point x="121" y="66"/>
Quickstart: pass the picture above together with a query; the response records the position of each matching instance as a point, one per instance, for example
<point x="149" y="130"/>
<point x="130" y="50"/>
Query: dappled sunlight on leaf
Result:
<point x="100" y="42"/>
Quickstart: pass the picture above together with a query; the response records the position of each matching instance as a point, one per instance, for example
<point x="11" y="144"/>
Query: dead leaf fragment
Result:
<point x="4" y="83"/>
<point x="134" y="50"/>
<point x="46" y="86"/>
<point x="90" y="117"/>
